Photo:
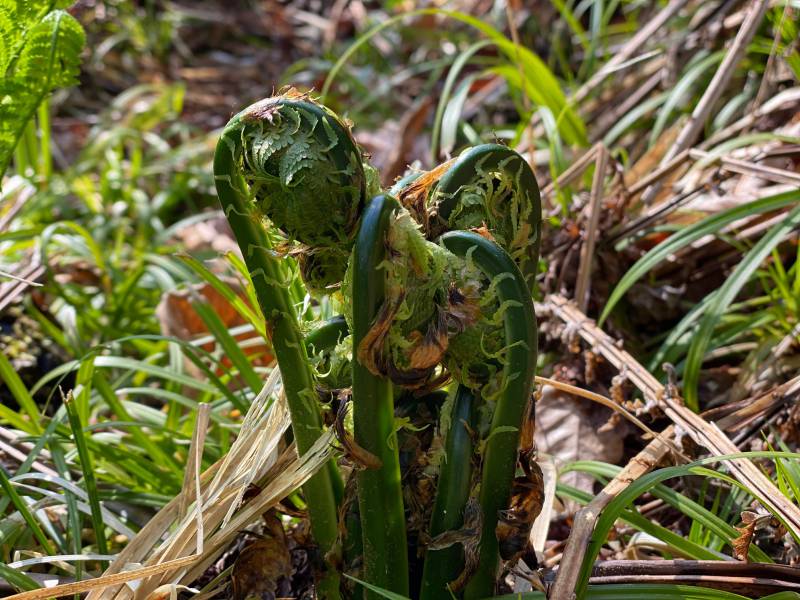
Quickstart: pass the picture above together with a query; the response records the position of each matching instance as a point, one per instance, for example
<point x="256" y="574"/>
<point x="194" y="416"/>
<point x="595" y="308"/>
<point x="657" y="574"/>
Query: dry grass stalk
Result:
<point x="703" y="433"/>
<point x="173" y="549"/>
<point x="599" y="399"/>
<point x="744" y="167"/>
<point x="642" y="37"/>
<point x="583" y="283"/>
<point x="722" y="77"/>
<point x="586" y="518"/>
<point x="754" y="579"/>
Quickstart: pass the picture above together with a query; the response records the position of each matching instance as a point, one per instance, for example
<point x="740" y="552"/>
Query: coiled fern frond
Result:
<point x="489" y="189"/>
<point x="40" y="47"/>
<point x="304" y="173"/>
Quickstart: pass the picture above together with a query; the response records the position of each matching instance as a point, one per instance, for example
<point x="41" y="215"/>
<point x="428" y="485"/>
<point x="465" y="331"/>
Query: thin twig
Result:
<point x="583" y="283"/>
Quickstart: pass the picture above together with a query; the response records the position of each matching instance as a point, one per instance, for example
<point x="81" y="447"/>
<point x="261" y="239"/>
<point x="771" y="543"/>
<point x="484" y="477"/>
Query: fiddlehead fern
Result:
<point x="424" y="301"/>
<point x="256" y="176"/>
<point x="519" y="362"/>
<point x="488" y="187"/>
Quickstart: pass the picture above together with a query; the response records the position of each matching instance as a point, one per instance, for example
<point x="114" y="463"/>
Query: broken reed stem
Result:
<point x="703" y="433"/>
<point x="583" y="283"/>
<point x="585" y="519"/>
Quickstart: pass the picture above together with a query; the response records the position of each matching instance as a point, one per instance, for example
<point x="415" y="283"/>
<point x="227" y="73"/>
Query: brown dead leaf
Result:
<point x="414" y="196"/>
<point x="357" y="454"/>
<point x="741" y="545"/>
<point x="514" y="525"/>
<point x="427" y="350"/>
<point x="178" y="318"/>
<point x="210" y="234"/>
<point x="263" y="565"/>
<point x="568" y="429"/>
<point x="370" y="351"/>
<point x="650" y="160"/>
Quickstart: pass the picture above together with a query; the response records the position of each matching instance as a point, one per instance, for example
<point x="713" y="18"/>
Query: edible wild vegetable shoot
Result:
<point x="435" y="351"/>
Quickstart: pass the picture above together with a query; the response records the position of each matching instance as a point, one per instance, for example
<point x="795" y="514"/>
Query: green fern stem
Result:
<point x="270" y="276"/>
<point x="380" y="495"/>
<point x="444" y="565"/>
<point x="500" y="451"/>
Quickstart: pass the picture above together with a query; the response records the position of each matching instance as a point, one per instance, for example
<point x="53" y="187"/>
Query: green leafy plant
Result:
<point x="433" y="280"/>
<point x="40" y="46"/>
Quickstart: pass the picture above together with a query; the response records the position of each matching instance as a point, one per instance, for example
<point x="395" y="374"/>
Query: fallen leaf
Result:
<point x="568" y="428"/>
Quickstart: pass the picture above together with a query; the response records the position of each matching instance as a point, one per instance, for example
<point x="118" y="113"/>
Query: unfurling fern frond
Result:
<point x="39" y="52"/>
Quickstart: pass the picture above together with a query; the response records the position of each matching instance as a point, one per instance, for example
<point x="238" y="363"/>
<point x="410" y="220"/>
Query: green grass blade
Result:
<point x="21" y="395"/>
<point x="24" y="511"/>
<point x="708" y="226"/>
<point x="88" y="477"/>
<point x="685" y="547"/>
<point x="18" y="579"/>
<point x="535" y="70"/>
<point x="723" y="298"/>
<point x="444" y="97"/>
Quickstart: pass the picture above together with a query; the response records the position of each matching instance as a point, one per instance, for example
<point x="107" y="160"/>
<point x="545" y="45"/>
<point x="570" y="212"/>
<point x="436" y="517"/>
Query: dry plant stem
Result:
<point x="752" y="408"/>
<point x="745" y="167"/>
<point x="722" y="77"/>
<point x="380" y="495"/>
<point x="627" y="51"/>
<point x="644" y="35"/>
<point x="749" y="579"/>
<point x="691" y="130"/>
<point x="658" y="211"/>
<point x="608" y="403"/>
<point x="607" y="119"/>
<point x="98" y="584"/>
<point x="583" y="283"/>
<point x="573" y="172"/>
<point x="585" y="520"/>
<point x="703" y="433"/>
<point x="166" y="545"/>
<point x="664" y="169"/>
<point x="11" y="290"/>
<point x="20" y="450"/>
<point x="780" y="101"/>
